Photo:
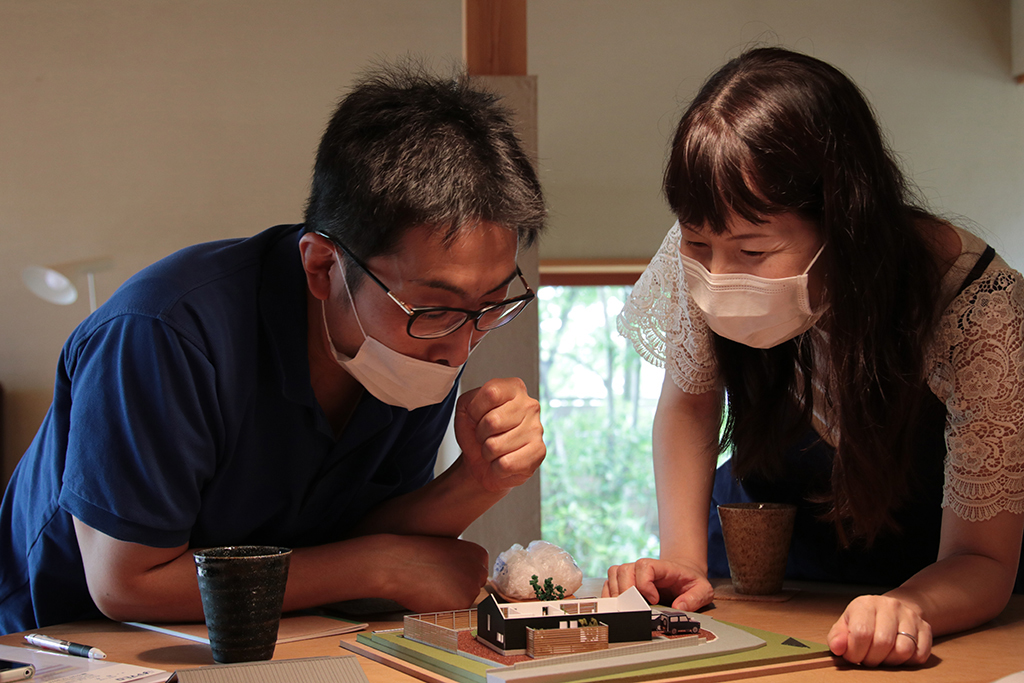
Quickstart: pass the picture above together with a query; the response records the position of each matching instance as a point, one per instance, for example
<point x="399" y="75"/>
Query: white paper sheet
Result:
<point x="52" y="667"/>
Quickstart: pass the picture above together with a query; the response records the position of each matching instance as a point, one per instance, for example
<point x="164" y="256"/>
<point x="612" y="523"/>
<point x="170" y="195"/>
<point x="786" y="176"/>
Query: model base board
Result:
<point x="735" y="652"/>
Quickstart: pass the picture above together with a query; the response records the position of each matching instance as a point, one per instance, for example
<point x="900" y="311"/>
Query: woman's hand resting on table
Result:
<point x="879" y="630"/>
<point x="661" y="582"/>
<point x="874" y="630"/>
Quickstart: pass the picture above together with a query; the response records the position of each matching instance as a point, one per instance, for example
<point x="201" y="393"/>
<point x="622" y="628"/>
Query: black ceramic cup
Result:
<point x="243" y="590"/>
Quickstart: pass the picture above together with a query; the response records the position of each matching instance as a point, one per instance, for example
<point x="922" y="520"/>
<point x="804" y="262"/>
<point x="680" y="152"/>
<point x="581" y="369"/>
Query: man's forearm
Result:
<point x="444" y="507"/>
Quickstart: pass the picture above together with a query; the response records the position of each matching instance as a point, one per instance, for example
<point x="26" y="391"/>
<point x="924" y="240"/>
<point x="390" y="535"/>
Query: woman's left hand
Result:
<point x="880" y="630"/>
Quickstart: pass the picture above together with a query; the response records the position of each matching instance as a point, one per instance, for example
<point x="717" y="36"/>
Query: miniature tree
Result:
<point x="548" y="591"/>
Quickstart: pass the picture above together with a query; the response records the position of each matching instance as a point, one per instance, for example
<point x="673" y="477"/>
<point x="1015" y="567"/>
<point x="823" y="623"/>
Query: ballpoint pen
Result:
<point x="39" y="640"/>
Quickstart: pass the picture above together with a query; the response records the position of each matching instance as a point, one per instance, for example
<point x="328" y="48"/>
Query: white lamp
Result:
<point x="56" y="283"/>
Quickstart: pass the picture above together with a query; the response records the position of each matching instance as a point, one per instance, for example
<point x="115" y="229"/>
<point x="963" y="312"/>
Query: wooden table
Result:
<point x="981" y="655"/>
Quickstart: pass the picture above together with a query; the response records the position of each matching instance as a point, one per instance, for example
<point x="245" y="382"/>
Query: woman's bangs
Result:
<point x="710" y="181"/>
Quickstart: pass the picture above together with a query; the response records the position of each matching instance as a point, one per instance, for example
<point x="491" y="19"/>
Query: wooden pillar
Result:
<point x="1017" y="39"/>
<point x="494" y="37"/>
<point x="494" y="43"/>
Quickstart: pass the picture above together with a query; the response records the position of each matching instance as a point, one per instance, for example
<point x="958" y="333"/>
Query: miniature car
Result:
<point x="676" y="624"/>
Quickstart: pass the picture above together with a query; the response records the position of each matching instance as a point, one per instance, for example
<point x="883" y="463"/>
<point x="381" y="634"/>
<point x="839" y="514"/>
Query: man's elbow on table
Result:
<point x="134" y="582"/>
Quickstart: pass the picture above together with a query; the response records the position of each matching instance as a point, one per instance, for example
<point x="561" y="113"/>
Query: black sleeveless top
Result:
<point x="815" y="553"/>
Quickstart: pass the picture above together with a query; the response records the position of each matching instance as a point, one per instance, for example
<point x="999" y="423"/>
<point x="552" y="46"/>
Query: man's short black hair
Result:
<point x="406" y="148"/>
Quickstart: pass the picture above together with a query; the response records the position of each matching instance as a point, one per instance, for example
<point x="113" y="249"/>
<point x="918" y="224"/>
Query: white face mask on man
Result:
<point x="392" y="377"/>
<point x="754" y="311"/>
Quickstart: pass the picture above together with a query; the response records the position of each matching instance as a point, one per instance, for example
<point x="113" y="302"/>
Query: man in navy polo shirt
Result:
<point x="292" y="388"/>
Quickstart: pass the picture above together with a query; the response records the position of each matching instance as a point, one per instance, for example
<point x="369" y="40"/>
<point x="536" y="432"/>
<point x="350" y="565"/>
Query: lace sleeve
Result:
<point x="664" y="324"/>
<point x="979" y="373"/>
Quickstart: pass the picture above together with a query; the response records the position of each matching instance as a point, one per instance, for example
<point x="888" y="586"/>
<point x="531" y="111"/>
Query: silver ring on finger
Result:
<point x="908" y="635"/>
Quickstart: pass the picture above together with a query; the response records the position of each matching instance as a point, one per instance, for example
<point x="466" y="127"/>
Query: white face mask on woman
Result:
<point x="754" y="311"/>
<point x="392" y="377"/>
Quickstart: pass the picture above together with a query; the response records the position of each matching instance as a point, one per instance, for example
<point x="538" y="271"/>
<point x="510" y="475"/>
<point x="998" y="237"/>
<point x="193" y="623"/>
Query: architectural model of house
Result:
<point x="567" y="626"/>
<point x="503" y="626"/>
<point x="626" y="620"/>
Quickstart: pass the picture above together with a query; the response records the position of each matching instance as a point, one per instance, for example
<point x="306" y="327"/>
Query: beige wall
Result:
<point x="134" y="127"/>
<point x="614" y="76"/>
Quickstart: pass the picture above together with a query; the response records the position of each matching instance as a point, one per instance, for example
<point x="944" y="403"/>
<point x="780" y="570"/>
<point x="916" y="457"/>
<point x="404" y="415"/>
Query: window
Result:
<point x="597" y="405"/>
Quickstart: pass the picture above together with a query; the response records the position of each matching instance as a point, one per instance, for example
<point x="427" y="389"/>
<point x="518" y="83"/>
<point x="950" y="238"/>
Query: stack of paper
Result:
<point x="292" y="628"/>
<point x="343" y="669"/>
<point x="52" y="667"/>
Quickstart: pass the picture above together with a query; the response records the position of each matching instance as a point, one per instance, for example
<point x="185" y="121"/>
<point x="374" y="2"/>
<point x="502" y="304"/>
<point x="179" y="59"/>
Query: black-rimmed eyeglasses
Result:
<point x="433" y="322"/>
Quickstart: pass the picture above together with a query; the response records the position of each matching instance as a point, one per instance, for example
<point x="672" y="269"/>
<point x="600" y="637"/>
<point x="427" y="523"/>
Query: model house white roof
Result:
<point x="629" y="601"/>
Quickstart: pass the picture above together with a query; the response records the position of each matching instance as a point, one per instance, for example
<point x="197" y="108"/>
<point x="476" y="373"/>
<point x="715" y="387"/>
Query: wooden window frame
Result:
<point x="590" y="272"/>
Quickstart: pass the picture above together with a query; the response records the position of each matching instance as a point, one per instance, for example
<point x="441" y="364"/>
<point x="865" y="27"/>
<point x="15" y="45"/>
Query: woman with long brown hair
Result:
<point x="871" y="355"/>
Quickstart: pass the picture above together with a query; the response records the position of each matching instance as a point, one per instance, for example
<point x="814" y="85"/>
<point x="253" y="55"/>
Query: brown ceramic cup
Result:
<point x="242" y="588"/>
<point x="757" y="537"/>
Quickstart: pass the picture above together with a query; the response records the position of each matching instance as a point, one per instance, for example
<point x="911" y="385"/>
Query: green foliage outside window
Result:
<point x="597" y="404"/>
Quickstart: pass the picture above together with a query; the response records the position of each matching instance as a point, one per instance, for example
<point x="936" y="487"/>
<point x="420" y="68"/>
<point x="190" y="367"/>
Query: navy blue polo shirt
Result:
<point x="183" y="413"/>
